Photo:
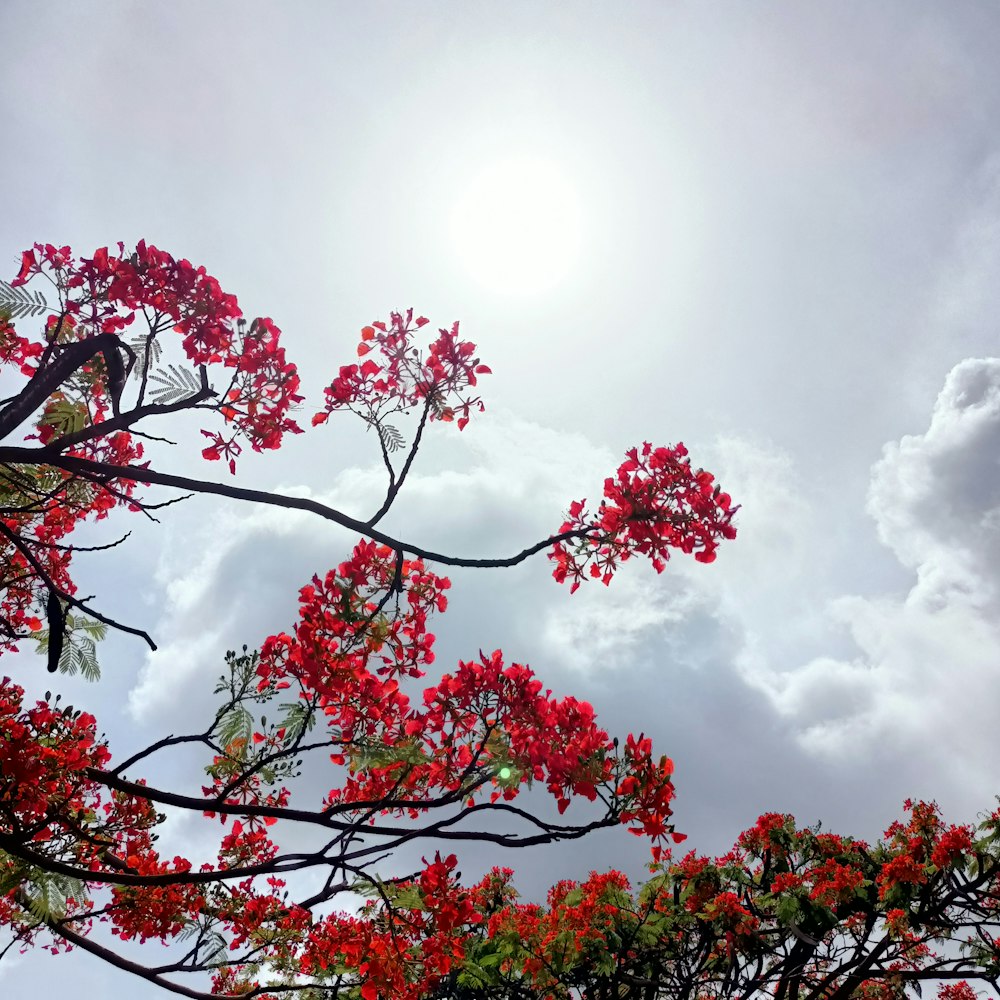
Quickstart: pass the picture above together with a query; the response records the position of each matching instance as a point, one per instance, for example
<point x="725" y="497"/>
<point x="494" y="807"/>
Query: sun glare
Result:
<point x="517" y="226"/>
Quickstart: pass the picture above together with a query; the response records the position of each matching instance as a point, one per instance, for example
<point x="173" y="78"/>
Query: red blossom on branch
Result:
<point x="470" y="743"/>
<point x="103" y="294"/>
<point x="403" y="378"/>
<point x="654" y="503"/>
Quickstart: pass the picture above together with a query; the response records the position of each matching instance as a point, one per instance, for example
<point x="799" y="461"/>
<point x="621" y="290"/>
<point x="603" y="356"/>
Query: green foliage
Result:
<point x="16" y="303"/>
<point x="30" y="487"/>
<point x="297" y="720"/>
<point x="478" y="971"/>
<point x="79" y="651"/>
<point x="45" y="895"/>
<point x="788" y="909"/>
<point x="64" y="415"/>
<point x="48" y="895"/>
<point x="235" y="725"/>
<point x="241" y="671"/>
<point x="405" y="896"/>
<point x="391" y="437"/>
<point x="366" y="755"/>
<point x="212" y="946"/>
<point x="173" y="384"/>
<point x="147" y="350"/>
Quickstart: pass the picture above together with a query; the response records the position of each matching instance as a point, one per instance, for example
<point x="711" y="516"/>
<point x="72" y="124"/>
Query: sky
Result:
<point x="770" y="231"/>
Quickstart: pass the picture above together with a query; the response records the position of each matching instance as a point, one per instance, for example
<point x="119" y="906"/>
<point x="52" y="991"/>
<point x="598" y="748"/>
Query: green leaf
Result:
<point x="147" y="352"/>
<point x="65" y="416"/>
<point x="79" y="651"/>
<point x="374" y="754"/>
<point x="298" y="719"/>
<point x="11" y="877"/>
<point x="214" y="947"/>
<point x="47" y="894"/>
<point x="236" y="724"/>
<point x="788" y="910"/>
<point x="173" y="384"/>
<point x="392" y="439"/>
<point x="18" y="302"/>
<point x="409" y="898"/>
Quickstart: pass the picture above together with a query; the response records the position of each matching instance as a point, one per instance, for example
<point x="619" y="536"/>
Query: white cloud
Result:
<point x="776" y="240"/>
<point x="936" y="497"/>
<point x="243" y="584"/>
<point x="600" y="629"/>
<point x="518" y="480"/>
<point x="926" y="678"/>
<point x="747" y="587"/>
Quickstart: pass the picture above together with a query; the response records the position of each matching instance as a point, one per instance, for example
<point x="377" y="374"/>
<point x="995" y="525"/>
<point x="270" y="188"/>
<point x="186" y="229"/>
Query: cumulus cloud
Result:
<point x="241" y="584"/>
<point x="602" y="630"/>
<point x="746" y="588"/>
<point x="233" y="577"/>
<point x="925" y="680"/>
<point x="512" y="483"/>
<point x="936" y="497"/>
<point x="688" y="608"/>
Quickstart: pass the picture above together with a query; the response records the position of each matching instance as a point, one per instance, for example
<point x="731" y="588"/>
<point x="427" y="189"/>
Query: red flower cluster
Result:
<point x="574" y="926"/>
<point x="43" y="507"/>
<point x="15" y="350"/>
<point x="154" y="912"/>
<point x="924" y="840"/>
<point x="833" y="882"/>
<point x="264" y="389"/>
<point x="480" y="724"/>
<point x="655" y="502"/>
<point x="103" y="294"/>
<point x="404" y="379"/>
<point x="362" y="630"/>
<point x="149" y="279"/>
<point x="778" y="888"/>
<point x="533" y="735"/>
<point x="334" y="641"/>
<point x="44" y="756"/>
<point x="648" y="791"/>
<point x="406" y="950"/>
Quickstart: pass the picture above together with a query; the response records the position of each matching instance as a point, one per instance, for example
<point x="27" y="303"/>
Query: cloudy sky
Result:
<point x="770" y="231"/>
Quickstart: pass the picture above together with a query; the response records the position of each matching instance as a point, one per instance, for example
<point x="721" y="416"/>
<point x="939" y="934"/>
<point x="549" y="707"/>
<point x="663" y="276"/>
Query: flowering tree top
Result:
<point x="131" y="340"/>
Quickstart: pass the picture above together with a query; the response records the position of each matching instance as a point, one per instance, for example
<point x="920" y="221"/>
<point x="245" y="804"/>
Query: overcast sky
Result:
<point x="770" y="231"/>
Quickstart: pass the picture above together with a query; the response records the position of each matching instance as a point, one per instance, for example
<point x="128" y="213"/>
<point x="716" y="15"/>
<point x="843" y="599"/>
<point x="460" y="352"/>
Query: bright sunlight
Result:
<point x="517" y="226"/>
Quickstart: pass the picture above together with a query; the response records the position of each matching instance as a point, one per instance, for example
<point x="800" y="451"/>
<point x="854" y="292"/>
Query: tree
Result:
<point x="789" y="912"/>
<point x="77" y="827"/>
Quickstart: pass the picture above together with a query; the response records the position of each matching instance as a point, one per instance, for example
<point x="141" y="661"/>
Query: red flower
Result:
<point x="656" y="502"/>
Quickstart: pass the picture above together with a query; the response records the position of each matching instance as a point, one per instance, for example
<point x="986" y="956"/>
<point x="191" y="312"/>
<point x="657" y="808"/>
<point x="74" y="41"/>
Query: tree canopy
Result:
<point x="131" y="340"/>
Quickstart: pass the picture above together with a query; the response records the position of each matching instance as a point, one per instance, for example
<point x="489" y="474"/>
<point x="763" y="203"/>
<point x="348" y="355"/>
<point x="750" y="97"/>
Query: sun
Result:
<point x="516" y="226"/>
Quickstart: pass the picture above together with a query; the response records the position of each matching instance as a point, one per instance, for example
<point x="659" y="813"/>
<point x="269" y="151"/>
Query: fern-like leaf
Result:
<point x="436" y="401"/>
<point x="65" y="416"/>
<point x="18" y="302"/>
<point x="214" y="947"/>
<point x="79" y="651"/>
<point x="236" y="724"/>
<point x="188" y="929"/>
<point x="175" y="384"/>
<point x="391" y="437"/>
<point x="298" y="718"/>
<point x="147" y="352"/>
<point x="13" y="873"/>
<point x="47" y="894"/>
